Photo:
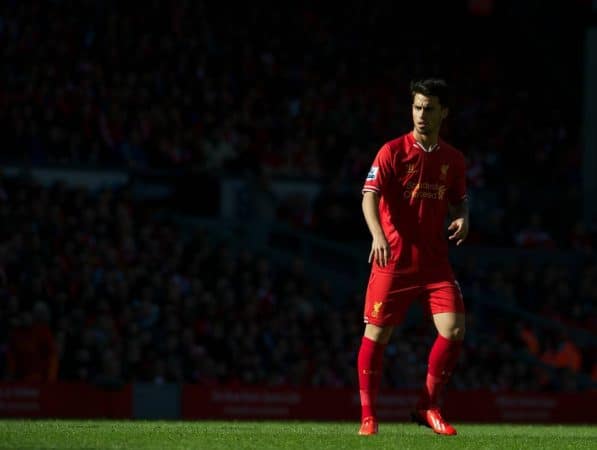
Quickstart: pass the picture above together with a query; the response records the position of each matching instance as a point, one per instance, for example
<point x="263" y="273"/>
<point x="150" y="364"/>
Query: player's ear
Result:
<point x="445" y="112"/>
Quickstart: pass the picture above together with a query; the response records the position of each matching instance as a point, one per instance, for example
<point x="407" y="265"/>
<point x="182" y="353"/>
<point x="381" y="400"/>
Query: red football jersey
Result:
<point x="416" y="187"/>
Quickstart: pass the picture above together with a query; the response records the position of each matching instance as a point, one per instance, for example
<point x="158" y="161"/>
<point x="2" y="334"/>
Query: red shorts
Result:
<point x="389" y="297"/>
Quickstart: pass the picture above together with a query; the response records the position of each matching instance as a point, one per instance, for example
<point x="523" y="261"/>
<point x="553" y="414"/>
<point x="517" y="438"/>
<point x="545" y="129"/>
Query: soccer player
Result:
<point x="415" y="182"/>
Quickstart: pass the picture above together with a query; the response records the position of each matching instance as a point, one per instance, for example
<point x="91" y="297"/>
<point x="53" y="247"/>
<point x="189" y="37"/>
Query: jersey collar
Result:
<point x="420" y="146"/>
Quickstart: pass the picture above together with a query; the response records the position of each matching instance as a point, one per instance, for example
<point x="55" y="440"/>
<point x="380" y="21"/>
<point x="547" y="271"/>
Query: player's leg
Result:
<point x="444" y="353"/>
<point x="386" y="303"/>
<point x="446" y="305"/>
<point x="370" y="370"/>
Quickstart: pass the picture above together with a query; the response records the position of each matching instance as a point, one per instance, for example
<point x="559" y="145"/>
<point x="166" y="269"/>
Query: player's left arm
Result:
<point x="459" y="221"/>
<point x="458" y="204"/>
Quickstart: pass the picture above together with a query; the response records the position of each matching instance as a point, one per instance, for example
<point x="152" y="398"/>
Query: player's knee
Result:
<point x="378" y="334"/>
<point x="455" y="333"/>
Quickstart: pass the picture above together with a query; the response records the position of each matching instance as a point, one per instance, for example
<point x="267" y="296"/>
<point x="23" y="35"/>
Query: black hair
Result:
<point x="432" y="87"/>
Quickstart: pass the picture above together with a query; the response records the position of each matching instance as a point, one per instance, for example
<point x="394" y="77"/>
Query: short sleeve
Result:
<point x="380" y="171"/>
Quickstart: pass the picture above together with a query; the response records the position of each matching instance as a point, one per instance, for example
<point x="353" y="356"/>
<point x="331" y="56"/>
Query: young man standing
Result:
<point x="415" y="181"/>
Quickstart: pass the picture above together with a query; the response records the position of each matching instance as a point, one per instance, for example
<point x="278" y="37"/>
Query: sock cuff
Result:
<point x="371" y="343"/>
<point x="447" y="341"/>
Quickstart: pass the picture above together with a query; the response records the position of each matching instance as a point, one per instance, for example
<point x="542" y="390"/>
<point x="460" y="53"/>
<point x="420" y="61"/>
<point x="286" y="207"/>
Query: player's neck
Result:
<point x="427" y="141"/>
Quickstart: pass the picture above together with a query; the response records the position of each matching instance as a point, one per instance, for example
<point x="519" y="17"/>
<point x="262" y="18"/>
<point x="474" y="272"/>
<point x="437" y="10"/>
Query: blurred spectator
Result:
<point x="534" y="234"/>
<point x="32" y="354"/>
<point x="581" y="238"/>
<point x="568" y="355"/>
<point x="529" y="338"/>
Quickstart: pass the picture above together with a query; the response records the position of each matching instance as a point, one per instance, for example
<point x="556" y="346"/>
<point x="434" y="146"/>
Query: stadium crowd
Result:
<point x="310" y="91"/>
<point x="95" y="288"/>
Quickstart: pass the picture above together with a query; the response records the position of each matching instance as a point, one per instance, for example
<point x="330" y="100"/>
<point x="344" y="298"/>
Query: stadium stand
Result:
<point x="117" y="288"/>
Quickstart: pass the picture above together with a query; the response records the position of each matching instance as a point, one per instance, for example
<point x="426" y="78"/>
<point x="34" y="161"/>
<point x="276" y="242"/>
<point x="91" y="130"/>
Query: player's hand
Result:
<point x="459" y="227"/>
<point x="380" y="250"/>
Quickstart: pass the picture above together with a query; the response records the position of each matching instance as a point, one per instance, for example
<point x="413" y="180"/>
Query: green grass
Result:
<point x="131" y="435"/>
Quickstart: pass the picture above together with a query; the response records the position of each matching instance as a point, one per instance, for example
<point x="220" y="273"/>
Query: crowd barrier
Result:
<point x="193" y="402"/>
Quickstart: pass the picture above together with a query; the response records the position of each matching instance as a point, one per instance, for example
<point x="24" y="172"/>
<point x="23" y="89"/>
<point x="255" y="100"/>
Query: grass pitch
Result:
<point x="215" y="435"/>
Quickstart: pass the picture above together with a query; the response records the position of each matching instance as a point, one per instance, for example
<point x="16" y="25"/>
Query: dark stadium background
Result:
<point x="180" y="192"/>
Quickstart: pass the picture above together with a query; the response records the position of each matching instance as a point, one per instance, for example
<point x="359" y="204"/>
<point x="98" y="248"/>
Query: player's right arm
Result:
<point x="380" y="249"/>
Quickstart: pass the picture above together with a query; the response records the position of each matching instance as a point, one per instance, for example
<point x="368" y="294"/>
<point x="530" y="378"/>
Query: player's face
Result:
<point x="427" y="114"/>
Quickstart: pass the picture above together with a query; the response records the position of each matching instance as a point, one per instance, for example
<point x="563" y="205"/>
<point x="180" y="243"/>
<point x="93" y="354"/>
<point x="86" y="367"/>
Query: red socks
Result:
<point x="442" y="360"/>
<point x="370" y="364"/>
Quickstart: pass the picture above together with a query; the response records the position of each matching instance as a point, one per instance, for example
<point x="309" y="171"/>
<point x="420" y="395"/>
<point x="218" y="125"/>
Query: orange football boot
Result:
<point x="433" y="419"/>
<point x="368" y="426"/>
